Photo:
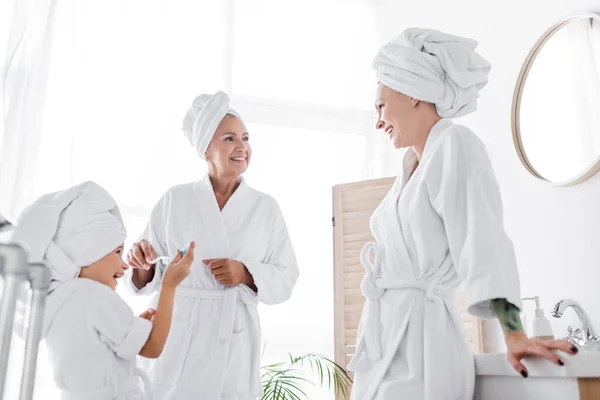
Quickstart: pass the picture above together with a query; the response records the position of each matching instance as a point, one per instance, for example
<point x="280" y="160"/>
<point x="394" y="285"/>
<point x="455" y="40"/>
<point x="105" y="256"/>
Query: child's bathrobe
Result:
<point x="92" y="336"/>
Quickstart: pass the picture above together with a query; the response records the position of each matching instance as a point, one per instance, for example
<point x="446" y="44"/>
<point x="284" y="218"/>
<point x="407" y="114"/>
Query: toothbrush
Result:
<point x="157" y="259"/>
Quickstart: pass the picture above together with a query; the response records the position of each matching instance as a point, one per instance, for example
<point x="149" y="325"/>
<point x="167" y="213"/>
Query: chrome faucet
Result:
<point x="586" y="340"/>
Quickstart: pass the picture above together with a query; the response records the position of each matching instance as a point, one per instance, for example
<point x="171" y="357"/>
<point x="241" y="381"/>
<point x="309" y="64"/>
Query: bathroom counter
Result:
<point x="584" y="365"/>
<point x="578" y="379"/>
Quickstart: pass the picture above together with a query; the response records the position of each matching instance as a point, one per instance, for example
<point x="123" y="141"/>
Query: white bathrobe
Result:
<point x="213" y="348"/>
<point x="435" y="231"/>
<point x="93" y="340"/>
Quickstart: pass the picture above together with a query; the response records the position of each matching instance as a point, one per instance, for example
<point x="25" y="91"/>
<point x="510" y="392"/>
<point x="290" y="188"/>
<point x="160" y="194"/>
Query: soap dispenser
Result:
<point x="540" y="325"/>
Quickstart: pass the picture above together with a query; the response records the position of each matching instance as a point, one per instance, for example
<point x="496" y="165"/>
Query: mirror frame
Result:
<point x="516" y="105"/>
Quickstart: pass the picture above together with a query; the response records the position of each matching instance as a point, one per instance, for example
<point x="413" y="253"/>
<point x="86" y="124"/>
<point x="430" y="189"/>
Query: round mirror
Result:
<point x="556" y="105"/>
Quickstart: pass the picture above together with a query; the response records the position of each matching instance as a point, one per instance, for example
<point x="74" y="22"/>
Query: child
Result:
<point x="92" y="336"/>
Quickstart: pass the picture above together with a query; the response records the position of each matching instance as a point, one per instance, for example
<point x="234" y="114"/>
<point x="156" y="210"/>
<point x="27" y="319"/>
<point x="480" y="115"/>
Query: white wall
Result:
<point x="556" y="231"/>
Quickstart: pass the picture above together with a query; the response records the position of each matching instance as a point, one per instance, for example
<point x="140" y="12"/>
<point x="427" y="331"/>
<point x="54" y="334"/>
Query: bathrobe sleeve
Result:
<point x="111" y="317"/>
<point x="155" y="234"/>
<point x="276" y="275"/>
<point x="466" y="195"/>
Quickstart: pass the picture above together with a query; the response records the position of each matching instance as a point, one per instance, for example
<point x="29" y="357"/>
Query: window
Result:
<point x="313" y="51"/>
<point x="299" y="167"/>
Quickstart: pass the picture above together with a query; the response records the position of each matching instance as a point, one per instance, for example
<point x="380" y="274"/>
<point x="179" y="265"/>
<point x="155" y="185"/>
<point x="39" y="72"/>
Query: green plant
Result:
<point x="287" y="380"/>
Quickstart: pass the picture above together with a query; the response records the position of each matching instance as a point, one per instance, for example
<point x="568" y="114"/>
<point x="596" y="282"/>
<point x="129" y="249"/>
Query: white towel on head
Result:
<point x="70" y="229"/>
<point x="435" y="67"/>
<point x="203" y="118"/>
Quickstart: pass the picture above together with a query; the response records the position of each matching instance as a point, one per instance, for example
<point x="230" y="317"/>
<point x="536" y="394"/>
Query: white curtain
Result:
<point x="25" y="42"/>
<point x="25" y="71"/>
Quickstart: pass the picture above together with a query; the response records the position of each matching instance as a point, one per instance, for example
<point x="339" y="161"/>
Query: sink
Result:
<point x="578" y="379"/>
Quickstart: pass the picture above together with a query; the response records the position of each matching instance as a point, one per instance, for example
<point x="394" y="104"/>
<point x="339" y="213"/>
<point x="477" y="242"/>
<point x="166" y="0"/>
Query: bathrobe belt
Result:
<point x="373" y="288"/>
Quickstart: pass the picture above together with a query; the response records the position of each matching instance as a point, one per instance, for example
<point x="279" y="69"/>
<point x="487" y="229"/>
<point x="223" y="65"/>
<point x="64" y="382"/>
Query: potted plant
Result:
<point x="287" y="380"/>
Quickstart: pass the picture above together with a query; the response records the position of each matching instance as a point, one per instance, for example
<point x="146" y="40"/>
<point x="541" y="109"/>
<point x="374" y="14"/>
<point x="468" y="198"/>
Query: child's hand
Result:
<point x="179" y="268"/>
<point x="148" y="314"/>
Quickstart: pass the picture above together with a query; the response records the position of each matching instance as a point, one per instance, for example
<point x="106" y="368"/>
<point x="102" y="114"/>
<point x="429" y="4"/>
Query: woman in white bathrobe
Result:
<point x="440" y="226"/>
<point x="244" y="257"/>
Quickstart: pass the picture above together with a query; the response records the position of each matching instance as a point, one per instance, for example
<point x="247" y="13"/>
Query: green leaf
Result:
<point x="287" y="381"/>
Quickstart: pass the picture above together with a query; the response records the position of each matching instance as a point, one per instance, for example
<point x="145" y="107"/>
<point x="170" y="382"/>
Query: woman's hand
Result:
<point x="138" y="257"/>
<point x="229" y="272"/>
<point x="140" y="254"/>
<point x="519" y="346"/>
